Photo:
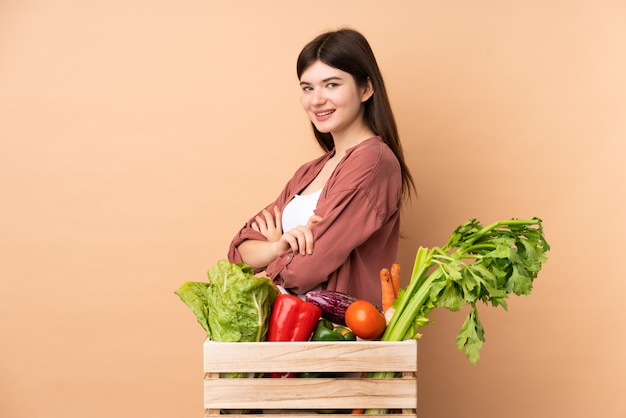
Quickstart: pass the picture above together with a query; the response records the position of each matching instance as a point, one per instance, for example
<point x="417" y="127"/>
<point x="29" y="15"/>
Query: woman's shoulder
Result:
<point x="372" y="168"/>
<point x="374" y="154"/>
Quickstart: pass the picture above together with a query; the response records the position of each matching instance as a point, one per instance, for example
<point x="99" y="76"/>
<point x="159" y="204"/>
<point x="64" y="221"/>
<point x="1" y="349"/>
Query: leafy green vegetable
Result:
<point x="194" y="294"/>
<point x="477" y="264"/>
<point x="234" y="305"/>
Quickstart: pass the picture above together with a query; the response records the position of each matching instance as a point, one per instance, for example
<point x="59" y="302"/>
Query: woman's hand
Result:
<point x="269" y="226"/>
<point x="259" y="254"/>
<point x="300" y="238"/>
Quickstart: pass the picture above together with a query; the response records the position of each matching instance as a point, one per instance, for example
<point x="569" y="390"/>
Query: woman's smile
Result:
<point x="323" y="115"/>
<point x="333" y="100"/>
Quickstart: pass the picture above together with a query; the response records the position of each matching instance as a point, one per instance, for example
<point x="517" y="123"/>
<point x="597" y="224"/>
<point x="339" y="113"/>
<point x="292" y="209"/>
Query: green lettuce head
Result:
<point x="234" y="305"/>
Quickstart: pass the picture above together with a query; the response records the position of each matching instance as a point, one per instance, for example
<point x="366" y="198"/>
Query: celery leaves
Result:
<point x="477" y="264"/>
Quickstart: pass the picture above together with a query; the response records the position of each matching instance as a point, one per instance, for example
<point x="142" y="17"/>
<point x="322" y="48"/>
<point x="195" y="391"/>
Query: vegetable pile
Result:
<point x="478" y="264"/>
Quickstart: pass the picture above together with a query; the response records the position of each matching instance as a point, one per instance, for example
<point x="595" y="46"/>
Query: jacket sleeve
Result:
<point x="364" y="195"/>
<point x="301" y="177"/>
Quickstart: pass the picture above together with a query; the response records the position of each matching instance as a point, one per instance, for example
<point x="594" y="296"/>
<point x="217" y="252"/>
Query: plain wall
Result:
<point x="136" y="137"/>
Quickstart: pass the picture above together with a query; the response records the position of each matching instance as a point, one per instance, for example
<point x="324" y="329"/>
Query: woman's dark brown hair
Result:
<point x="349" y="51"/>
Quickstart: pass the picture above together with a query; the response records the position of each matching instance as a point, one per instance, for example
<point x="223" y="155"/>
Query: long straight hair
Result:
<point x="349" y="51"/>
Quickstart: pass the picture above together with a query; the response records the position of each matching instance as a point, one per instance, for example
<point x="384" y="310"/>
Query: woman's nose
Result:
<point x="318" y="97"/>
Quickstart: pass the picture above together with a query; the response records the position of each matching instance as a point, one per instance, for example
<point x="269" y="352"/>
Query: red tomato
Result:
<point x="365" y="320"/>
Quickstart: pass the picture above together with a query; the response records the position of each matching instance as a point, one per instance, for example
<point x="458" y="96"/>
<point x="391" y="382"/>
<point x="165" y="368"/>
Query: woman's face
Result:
<point x="333" y="101"/>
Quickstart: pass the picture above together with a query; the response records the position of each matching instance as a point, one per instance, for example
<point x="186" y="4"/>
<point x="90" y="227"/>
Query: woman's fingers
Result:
<point x="278" y="218"/>
<point x="269" y="219"/>
<point x="261" y="225"/>
<point x="300" y="240"/>
<point x="301" y="237"/>
<point x="268" y="225"/>
<point x="308" y="241"/>
<point x="313" y="220"/>
<point x="291" y="241"/>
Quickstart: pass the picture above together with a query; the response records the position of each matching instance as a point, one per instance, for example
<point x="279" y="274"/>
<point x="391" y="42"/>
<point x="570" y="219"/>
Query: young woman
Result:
<point x="337" y="221"/>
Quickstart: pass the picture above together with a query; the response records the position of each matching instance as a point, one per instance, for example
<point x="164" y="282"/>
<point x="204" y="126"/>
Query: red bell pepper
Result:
<point x="292" y="319"/>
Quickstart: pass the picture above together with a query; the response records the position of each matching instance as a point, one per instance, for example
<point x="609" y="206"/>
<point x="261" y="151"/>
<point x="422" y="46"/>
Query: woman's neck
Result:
<point x="347" y="141"/>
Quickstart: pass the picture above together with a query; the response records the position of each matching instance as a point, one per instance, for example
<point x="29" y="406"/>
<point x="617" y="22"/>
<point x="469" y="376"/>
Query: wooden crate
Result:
<point x="305" y="396"/>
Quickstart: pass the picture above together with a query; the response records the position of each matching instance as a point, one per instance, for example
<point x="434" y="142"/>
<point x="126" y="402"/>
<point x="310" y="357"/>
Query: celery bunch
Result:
<point x="477" y="263"/>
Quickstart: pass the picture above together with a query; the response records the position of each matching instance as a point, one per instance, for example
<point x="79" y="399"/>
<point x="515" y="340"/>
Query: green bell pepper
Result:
<point x="345" y="332"/>
<point x="327" y="331"/>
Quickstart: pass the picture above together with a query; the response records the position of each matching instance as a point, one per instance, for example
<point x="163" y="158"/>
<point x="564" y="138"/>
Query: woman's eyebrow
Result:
<point x="326" y="80"/>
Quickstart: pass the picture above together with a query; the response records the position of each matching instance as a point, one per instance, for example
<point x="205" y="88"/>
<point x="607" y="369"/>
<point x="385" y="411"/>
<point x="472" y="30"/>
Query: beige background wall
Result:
<point x="137" y="136"/>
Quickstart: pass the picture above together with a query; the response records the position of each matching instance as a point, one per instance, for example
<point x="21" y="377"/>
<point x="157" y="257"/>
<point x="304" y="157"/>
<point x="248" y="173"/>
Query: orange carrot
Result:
<point x="395" y="277"/>
<point x="387" y="289"/>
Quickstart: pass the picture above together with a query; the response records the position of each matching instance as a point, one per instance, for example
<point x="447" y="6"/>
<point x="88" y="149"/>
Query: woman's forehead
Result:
<point x="318" y="71"/>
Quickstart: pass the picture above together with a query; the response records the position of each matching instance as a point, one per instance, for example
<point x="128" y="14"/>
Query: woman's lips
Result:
<point x="322" y="116"/>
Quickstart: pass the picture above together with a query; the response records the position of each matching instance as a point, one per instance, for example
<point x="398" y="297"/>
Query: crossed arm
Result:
<point x="259" y="254"/>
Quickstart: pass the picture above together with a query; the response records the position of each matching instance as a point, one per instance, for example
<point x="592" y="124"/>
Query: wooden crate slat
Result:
<point x="315" y="393"/>
<point x="362" y="356"/>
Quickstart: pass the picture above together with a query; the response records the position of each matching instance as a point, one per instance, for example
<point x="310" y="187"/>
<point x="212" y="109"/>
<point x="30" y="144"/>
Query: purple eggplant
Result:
<point x="333" y="304"/>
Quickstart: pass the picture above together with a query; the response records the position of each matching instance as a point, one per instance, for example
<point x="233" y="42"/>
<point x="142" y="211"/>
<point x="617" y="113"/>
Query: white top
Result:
<point x="299" y="210"/>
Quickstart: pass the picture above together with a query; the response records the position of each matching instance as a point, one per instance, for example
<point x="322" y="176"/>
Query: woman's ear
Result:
<point x="368" y="91"/>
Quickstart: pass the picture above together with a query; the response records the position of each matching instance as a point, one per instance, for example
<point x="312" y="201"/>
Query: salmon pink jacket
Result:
<point x="360" y="231"/>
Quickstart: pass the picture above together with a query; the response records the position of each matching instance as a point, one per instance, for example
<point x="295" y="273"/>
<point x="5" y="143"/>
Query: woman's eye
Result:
<point x="307" y="88"/>
<point x="332" y="85"/>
